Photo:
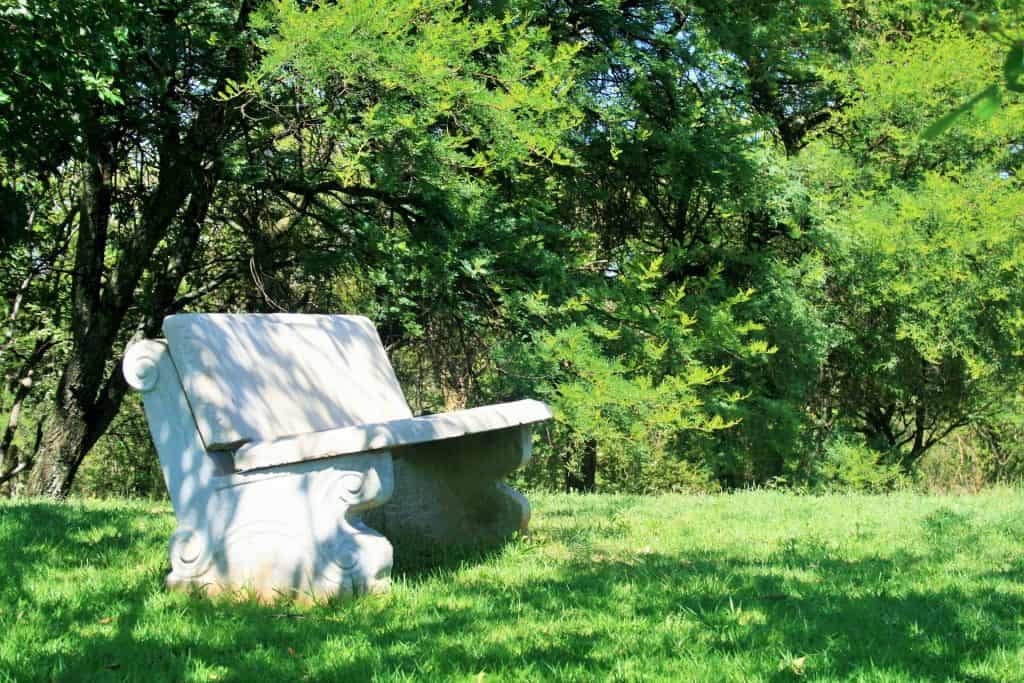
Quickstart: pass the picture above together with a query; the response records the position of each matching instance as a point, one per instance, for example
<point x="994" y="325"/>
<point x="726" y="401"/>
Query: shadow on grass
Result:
<point x="853" y="615"/>
<point x="415" y="562"/>
<point x="39" y="536"/>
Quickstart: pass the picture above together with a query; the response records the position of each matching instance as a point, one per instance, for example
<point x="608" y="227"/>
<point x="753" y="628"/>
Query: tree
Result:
<point x="922" y="240"/>
<point x="116" y="96"/>
<point x="185" y="168"/>
<point x="689" y="114"/>
<point x="926" y="289"/>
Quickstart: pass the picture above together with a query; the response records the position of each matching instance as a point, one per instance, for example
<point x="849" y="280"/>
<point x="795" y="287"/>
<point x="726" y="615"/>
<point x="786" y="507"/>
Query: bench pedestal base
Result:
<point x="291" y="532"/>
<point x="318" y="529"/>
<point x="450" y="493"/>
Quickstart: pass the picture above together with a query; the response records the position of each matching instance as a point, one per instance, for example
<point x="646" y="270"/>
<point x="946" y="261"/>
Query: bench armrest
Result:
<point x="387" y="435"/>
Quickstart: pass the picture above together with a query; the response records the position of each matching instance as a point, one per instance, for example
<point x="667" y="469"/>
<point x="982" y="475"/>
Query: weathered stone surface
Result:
<point x="261" y="377"/>
<point x="281" y="436"/>
<point x="404" y="432"/>
<point x="450" y="492"/>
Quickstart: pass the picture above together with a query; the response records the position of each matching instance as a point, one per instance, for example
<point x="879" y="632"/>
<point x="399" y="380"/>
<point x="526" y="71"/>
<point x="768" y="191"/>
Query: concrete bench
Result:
<point x="293" y="461"/>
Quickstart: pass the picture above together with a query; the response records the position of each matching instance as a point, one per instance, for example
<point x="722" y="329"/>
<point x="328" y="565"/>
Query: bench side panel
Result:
<point x="189" y="471"/>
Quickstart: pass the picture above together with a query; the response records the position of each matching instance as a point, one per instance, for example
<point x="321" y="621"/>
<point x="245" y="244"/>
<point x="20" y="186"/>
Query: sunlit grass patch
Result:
<point x="749" y="586"/>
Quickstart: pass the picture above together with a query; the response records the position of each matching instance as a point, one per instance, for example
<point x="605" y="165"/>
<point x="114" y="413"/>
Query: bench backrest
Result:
<point x="261" y="377"/>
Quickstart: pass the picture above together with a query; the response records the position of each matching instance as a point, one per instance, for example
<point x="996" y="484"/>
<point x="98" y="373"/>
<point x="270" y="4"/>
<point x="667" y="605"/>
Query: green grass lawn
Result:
<point x="751" y="586"/>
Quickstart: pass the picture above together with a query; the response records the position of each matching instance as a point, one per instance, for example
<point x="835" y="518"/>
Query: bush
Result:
<point x="848" y="464"/>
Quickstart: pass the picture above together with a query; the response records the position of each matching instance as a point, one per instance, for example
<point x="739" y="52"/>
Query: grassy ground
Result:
<point x="752" y="586"/>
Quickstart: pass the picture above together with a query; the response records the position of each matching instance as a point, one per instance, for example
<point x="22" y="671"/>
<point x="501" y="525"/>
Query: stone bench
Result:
<point x="293" y="461"/>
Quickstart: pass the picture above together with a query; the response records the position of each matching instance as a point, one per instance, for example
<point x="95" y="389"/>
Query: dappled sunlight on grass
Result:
<point x="751" y="586"/>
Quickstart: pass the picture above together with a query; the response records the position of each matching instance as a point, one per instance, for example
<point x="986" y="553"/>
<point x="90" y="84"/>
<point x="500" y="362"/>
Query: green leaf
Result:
<point x="1013" y="68"/>
<point x="946" y="122"/>
<point x="989" y="105"/>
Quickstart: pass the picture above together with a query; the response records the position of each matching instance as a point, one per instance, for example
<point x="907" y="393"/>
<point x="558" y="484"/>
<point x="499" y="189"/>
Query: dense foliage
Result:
<point x="731" y="244"/>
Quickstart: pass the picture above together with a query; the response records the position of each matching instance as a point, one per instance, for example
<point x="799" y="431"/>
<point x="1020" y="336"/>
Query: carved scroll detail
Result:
<point x="191" y="553"/>
<point x="296" y="532"/>
<point x="141" y="364"/>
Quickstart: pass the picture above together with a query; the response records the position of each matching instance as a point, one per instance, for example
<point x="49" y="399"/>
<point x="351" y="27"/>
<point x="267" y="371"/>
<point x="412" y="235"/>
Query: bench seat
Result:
<point x="388" y="435"/>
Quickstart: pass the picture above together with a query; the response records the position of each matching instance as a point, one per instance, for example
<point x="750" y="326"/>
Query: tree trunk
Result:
<point x="64" y="442"/>
<point x="586" y="480"/>
<point x="12" y="460"/>
<point x="70" y="432"/>
<point x="61" y="454"/>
